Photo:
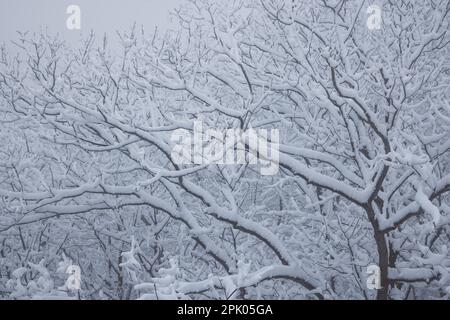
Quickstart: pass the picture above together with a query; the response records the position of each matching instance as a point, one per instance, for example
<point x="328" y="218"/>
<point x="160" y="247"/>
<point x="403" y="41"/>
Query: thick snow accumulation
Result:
<point x="93" y="205"/>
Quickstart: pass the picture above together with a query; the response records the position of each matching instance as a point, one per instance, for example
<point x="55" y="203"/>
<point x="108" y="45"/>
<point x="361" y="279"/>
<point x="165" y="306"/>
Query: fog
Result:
<point x="100" y="16"/>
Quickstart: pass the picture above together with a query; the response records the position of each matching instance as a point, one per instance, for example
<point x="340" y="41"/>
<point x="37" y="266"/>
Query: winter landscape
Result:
<point x="250" y="149"/>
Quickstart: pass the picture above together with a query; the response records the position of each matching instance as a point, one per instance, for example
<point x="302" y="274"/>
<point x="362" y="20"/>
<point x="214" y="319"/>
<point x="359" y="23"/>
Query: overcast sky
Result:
<point x="98" y="15"/>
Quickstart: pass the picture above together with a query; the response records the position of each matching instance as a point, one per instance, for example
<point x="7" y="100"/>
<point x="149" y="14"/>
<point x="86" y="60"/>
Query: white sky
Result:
<point x="98" y="15"/>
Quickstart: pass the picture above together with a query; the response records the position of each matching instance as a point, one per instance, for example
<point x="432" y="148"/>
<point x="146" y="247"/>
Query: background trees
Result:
<point x="86" y="173"/>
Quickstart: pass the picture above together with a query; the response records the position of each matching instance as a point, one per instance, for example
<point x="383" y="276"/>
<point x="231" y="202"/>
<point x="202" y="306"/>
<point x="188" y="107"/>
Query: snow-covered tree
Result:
<point x="364" y="126"/>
